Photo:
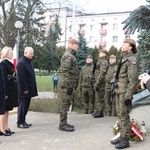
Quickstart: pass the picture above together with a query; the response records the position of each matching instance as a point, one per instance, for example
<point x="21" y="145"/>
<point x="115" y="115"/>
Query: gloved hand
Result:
<point x="69" y="91"/>
<point x="128" y="102"/>
<point x="96" y="87"/>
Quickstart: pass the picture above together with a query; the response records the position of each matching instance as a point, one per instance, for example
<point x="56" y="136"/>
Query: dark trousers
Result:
<point x="55" y="84"/>
<point x="23" y="108"/>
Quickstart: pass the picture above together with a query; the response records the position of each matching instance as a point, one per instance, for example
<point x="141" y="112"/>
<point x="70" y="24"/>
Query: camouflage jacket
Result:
<point x="128" y="76"/>
<point x="85" y="75"/>
<point x="110" y="74"/>
<point x="101" y="70"/>
<point x="69" y="69"/>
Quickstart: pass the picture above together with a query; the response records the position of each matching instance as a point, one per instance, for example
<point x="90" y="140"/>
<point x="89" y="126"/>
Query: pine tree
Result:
<point x="52" y="61"/>
<point x="113" y="50"/>
<point x="7" y="21"/>
<point x="143" y="53"/>
<point x="82" y="52"/>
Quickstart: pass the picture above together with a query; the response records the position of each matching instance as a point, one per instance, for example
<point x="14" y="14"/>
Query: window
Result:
<point x="70" y="28"/>
<point x="103" y="38"/>
<point x="91" y="39"/>
<point x="91" y="27"/>
<point x="81" y="26"/>
<point x="103" y="26"/>
<point x="115" y="39"/>
<point x="115" y="26"/>
<point x="126" y="37"/>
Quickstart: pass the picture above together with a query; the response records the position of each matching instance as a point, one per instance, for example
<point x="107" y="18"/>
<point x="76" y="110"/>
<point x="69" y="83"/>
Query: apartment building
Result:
<point x="104" y="29"/>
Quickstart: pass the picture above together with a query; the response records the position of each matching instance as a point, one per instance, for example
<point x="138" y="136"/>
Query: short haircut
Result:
<point x="28" y="48"/>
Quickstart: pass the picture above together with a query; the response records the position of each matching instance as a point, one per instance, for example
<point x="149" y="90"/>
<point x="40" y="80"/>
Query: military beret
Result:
<point x="89" y="56"/>
<point x="131" y="41"/>
<point x="103" y="51"/>
<point x="112" y="56"/>
<point x="73" y="41"/>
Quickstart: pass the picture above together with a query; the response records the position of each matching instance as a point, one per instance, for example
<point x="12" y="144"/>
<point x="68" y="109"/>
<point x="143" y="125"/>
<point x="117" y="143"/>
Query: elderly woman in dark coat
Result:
<point x="10" y="88"/>
<point x="2" y="94"/>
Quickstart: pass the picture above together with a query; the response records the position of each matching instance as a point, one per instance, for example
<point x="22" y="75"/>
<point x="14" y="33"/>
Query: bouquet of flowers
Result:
<point x="137" y="133"/>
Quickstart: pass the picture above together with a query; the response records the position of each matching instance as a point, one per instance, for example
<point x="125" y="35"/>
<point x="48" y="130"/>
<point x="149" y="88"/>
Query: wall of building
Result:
<point x="105" y="29"/>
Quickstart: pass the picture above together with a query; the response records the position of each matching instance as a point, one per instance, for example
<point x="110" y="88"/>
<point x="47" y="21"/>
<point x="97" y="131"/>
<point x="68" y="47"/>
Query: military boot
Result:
<point x="124" y="143"/>
<point x="99" y="114"/>
<point x="115" y="141"/>
<point x="94" y="113"/>
<point x="66" y="127"/>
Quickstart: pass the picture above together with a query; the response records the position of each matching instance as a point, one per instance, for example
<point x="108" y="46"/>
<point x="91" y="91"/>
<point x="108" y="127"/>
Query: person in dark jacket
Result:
<point x="10" y="88"/>
<point x="2" y="94"/>
<point x="26" y="86"/>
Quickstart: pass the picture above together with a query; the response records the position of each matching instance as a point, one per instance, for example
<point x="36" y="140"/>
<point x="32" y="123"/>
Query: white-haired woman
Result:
<point x="11" y="95"/>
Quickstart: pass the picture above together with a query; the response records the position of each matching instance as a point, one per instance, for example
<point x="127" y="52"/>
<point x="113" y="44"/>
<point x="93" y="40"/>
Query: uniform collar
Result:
<point x="126" y="54"/>
<point x="71" y="51"/>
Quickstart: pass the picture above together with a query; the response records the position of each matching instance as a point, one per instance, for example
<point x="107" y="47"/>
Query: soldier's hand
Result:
<point x="128" y="102"/>
<point x="96" y="87"/>
<point x="69" y="91"/>
<point x="109" y="102"/>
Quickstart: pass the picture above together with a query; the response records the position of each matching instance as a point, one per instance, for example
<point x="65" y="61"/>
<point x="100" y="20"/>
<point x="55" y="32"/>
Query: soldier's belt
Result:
<point x="123" y="80"/>
<point x="86" y="86"/>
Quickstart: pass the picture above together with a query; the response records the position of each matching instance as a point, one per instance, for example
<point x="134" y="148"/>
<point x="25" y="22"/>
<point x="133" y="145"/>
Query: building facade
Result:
<point x="104" y="29"/>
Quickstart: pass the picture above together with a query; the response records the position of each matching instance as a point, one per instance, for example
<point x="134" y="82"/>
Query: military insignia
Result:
<point x="68" y="59"/>
<point x="134" y="62"/>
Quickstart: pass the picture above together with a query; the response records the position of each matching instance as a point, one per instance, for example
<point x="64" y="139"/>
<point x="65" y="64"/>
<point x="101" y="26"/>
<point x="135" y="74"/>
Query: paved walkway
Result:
<point x="89" y="134"/>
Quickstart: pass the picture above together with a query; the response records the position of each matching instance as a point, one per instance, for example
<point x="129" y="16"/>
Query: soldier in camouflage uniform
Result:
<point x="86" y="85"/>
<point x="100" y="74"/>
<point x="127" y="82"/>
<point x="68" y="82"/>
<point x="109" y="100"/>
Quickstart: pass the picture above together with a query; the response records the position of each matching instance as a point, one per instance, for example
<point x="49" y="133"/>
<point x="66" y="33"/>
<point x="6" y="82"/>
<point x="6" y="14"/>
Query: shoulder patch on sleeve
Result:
<point x="69" y="58"/>
<point x="134" y="62"/>
<point x="104" y="64"/>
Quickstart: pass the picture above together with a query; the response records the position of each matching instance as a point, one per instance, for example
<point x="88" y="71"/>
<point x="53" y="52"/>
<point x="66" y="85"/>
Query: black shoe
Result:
<point x="29" y="125"/>
<point x="116" y="141"/>
<point x="69" y="125"/>
<point x="94" y="113"/>
<point x="65" y="127"/>
<point x="23" y="126"/>
<point x="98" y="114"/>
<point x="9" y="131"/>
<point x="122" y="144"/>
<point x="5" y="133"/>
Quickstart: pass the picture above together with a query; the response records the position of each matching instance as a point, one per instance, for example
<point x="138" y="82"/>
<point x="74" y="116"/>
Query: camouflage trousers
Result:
<point x="65" y="104"/>
<point x="123" y="114"/>
<point x="88" y="98"/>
<point x="99" y="98"/>
<point x="110" y="103"/>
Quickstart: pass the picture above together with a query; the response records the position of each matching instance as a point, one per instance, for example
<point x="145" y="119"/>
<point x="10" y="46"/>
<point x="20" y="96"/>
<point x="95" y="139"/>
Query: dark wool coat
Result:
<point x="2" y="92"/>
<point x="26" y="78"/>
<point x="148" y="85"/>
<point x="10" y="84"/>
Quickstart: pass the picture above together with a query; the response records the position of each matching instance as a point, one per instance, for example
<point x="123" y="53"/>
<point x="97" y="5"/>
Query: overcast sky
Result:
<point x="109" y="5"/>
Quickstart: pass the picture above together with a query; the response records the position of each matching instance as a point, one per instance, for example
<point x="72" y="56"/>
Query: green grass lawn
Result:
<point x="44" y="83"/>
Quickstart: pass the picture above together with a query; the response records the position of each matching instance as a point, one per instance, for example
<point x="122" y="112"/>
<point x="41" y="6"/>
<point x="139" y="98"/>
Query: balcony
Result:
<point x="51" y="22"/>
<point x="103" y="31"/>
<point x="82" y="32"/>
<point x="102" y="43"/>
